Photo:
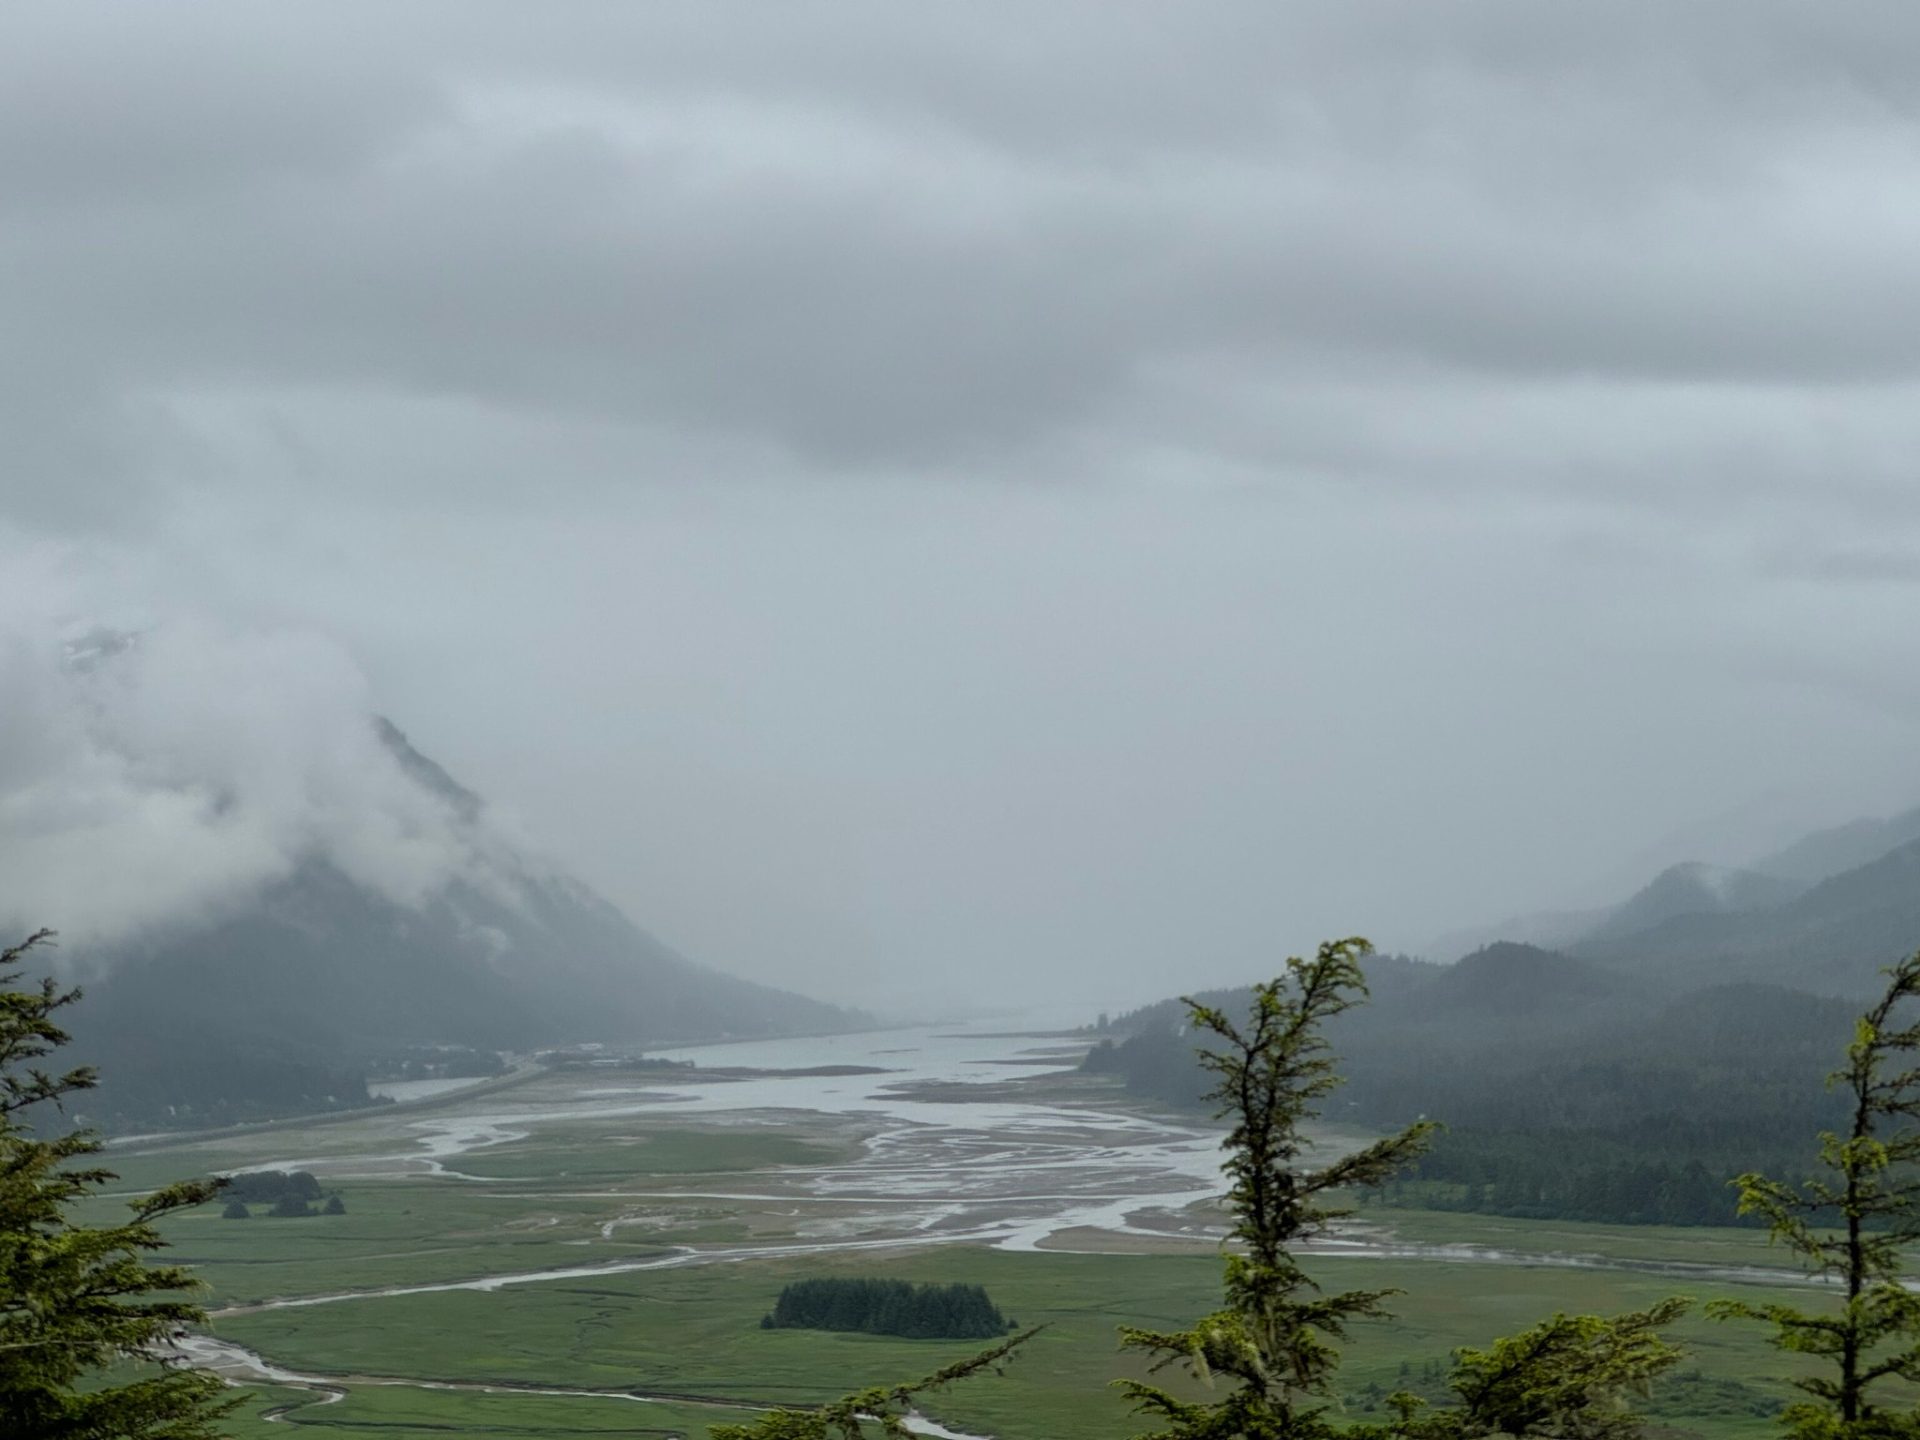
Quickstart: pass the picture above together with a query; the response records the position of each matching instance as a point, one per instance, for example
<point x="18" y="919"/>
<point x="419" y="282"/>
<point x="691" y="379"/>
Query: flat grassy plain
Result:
<point x="637" y="1190"/>
<point x="693" y="1333"/>
<point x="566" y="1195"/>
<point x="1675" y="1244"/>
<point x="400" y="1413"/>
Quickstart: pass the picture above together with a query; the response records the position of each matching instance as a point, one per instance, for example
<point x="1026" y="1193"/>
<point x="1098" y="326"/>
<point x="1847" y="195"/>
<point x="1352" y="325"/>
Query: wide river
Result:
<point x="957" y="1168"/>
<point x="938" y="1164"/>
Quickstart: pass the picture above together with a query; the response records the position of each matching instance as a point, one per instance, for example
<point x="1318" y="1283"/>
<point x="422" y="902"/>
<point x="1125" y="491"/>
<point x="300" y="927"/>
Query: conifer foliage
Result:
<point x="1272" y="1341"/>
<point x="76" y="1299"/>
<point x="1273" y="1347"/>
<point x="1850" y="1225"/>
<point x="882" y="1407"/>
<point x="1265" y="1361"/>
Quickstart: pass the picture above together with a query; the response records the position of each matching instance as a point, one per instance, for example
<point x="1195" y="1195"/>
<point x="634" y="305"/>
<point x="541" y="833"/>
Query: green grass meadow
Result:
<point x="692" y="1333"/>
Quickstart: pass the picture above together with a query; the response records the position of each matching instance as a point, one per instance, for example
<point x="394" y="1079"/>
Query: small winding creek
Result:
<point x="935" y="1166"/>
<point x="1002" y="1172"/>
<point x="238" y="1365"/>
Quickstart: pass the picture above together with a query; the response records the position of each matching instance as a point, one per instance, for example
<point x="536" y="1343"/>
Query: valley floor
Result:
<point x="586" y="1253"/>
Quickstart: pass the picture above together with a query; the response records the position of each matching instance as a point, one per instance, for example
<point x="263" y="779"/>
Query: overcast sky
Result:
<point x="921" y="502"/>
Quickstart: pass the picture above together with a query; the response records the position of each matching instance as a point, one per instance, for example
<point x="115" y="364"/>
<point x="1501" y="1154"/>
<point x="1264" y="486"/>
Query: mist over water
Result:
<point x="656" y="661"/>
<point x="920" y="528"/>
<point x="169" y="773"/>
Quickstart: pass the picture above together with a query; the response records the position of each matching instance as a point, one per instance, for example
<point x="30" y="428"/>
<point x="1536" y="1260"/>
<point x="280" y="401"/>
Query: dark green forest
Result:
<point x="1568" y="1089"/>
<point x="1666" y="1047"/>
<point x="168" y="1074"/>
<point x="888" y="1307"/>
<point x="265" y="1187"/>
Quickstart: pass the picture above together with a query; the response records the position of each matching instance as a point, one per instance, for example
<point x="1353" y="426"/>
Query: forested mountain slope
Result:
<point x="1822" y="914"/>
<point x="1567" y="1086"/>
<point x="1825" y="853"/>
<point x="1832" y="940"/>
<point x="1694" y="888"/>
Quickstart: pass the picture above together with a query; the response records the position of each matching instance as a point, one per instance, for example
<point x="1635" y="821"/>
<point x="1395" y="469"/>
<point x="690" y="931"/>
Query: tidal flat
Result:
<point x="586" y="1251"/>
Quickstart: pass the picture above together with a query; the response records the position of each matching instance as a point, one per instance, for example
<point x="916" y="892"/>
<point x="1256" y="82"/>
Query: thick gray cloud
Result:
<point x="889" y="239"/>
<point x="891" y="491"/>
<point x="152" y="776"/>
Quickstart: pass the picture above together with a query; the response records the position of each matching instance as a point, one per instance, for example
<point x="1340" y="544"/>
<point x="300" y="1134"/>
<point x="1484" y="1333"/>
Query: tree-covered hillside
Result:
<point x="1833" y="939"/>
<point x="1566" y="1088"/>
<point x="1823" y="914"/>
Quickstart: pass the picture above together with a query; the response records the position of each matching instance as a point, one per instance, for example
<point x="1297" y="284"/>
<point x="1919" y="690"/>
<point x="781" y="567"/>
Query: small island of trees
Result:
<point x="288" y="1193"/>
<point x="888" y="1307"/>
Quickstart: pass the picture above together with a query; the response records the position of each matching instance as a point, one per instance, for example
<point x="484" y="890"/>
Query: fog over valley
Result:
<point x="699" y="697"/>
<point x="871" y="522"/>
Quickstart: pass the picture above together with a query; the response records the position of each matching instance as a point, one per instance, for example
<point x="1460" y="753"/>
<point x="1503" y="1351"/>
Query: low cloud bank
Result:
<point x="150" y="777"/>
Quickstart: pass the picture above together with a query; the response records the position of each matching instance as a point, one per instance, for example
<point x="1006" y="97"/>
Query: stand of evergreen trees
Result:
<point x="290" y="1194"/>
<point x="888" y="1307"/>
<point x="265" y="1187"/>
<point x="1582" y="1175"/>
<point x="1567" y="1092"/>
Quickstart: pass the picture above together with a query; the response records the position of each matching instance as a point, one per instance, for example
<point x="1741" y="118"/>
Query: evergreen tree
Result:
<point x="1275" y="1340"/>
<point x="887" y="1407"/>
<point x="1567" y="1378"/>
<point x="1272" y="1340"/>
<point x="1851" y="1225"/>
<point x="76" y="1299"/>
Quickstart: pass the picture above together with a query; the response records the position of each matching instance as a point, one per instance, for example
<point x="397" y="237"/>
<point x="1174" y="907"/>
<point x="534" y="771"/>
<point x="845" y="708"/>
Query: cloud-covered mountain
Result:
<point x="263" y="886"/>
<point x="1823" y="914"/>
<point x="1833" y="939"/>
<point x="1693" y="888"/>
<point x="1545" y="928"/>
<point x="503" y="954"/>
<point x="1690" y="888"/>
<point x="1826" y="853"/>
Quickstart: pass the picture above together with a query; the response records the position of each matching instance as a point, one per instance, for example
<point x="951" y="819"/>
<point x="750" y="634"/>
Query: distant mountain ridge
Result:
<point x="1548" y="929"/>
<point x="1627" y="1072"/>
<point x="274" y="1004"/>
<point x="1831" y="939"/>
<point x="1693" y="888"/>
<point x="1688" y="888"/>
<point x="1822" y="914"/>
<point x="1839" y="848"/>
<point x="1568" y="1086"/>
<point x="1512" y="980"/>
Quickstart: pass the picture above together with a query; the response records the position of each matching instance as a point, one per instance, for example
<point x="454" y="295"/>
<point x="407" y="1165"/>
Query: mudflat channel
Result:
<point x="594" y="1236"/>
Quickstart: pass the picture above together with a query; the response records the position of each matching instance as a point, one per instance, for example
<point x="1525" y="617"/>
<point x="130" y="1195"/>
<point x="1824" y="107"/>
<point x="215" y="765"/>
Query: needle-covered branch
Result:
<point x="1273" y="1343"/>
<point x="1272" y="1351"/>
<point x="1262" y="1366"/>
<point x="77" y="1299"/>
<point x="1572" y="1377"/>
<point x="1851" y="1226"/>
<point x="882" y="1409"/>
